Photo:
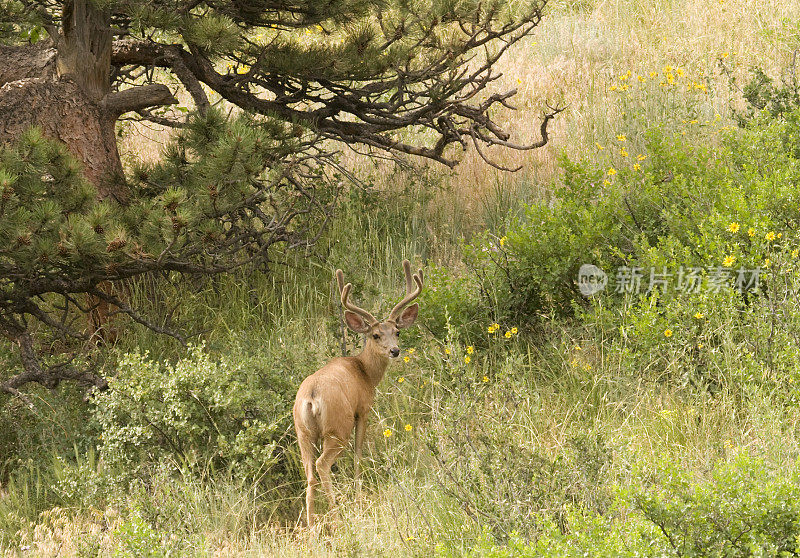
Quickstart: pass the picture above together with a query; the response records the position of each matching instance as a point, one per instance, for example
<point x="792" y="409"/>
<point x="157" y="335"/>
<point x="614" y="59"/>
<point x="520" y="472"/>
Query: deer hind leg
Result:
<point x="332" y="446"/>
<point x="307" y="456"/>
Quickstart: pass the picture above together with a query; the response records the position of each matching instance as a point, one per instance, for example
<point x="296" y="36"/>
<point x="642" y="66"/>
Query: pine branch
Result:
<point x="136" y="99"/>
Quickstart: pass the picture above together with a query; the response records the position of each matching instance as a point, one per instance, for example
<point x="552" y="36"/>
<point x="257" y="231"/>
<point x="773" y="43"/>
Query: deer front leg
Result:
<point x="361" y="427"/>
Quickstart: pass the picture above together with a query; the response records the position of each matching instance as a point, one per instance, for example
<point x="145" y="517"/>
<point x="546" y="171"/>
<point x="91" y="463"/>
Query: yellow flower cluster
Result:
<point x="510" y="332"/>
<point x="670" y="78"/>
<point x="493" y="327"/>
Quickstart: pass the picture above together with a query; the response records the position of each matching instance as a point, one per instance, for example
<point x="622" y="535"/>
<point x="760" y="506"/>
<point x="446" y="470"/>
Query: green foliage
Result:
<point x="200" y="413"/>
<point x="716" y="212"/>
<point x="452" y="304"/>
<point x="745" y="508"/>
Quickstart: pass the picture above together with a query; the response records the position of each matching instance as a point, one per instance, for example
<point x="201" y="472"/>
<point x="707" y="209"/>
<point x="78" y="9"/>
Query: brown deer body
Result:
<point x="338" y="397"/>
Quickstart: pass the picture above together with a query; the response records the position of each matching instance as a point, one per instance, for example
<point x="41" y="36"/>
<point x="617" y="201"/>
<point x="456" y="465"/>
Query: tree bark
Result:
<point x="61" y="110"/>
<point x="66" y="92"/>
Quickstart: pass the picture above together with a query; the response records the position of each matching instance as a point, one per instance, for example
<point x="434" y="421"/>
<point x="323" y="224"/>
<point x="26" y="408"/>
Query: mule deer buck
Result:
<point x="339" y="396"/>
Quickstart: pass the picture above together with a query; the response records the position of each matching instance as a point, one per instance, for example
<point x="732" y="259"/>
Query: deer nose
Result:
<point x="394" y="352"/>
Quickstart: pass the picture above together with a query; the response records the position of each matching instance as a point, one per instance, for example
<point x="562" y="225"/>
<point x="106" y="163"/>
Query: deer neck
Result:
<point x="374" y="365"/>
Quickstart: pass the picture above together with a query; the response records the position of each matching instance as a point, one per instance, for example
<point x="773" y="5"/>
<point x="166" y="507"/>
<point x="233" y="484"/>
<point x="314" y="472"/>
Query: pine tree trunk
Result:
<point x="60" y="108"/>
<point x="65" y="101"/>
<point x="64" y="88"/>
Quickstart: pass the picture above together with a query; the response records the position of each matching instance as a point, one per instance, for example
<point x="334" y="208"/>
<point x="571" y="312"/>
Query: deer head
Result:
<point x="382" y="338"/>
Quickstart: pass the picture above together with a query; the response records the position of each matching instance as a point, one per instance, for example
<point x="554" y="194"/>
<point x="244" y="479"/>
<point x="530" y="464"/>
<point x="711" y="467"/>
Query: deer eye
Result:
<point x="397" y="333"/>
<point x="376" y="336"/>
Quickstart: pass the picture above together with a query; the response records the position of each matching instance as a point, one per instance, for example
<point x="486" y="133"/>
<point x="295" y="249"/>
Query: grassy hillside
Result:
<point x="523" y="420"/>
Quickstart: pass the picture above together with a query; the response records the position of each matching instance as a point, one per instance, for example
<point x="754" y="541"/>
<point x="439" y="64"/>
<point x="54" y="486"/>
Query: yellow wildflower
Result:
<point x="751" y="232"/>
<point x="699" y="315"/>
<point x="622" y="137"/>
<point x="387" y="432"/>
<point x="727" y="262"/>
<point x="794" y="253"/>
<point x="485" y="379"/>
<point x="641" y="78"/>
<point x="612" y="171"/>
<point x="653" y="74"/>
<point x="667" y="333"/>
<point x="770" y="236"/>
<point x="401" y="379"/>
<point x="679" y="71"/>
<point x="623" y="152"/>
<point x="600" y="147"/>
<point x="406" y="359"/>
<point x="514" y="331"/>
<point x="503" y="240"/>
<point x="767" y="262"/>
<point x="508" y="334"/>
<point x="637" y="167"/>
<point x="641" y="157"/>
<point x="412" y="350"/>
<point x="470" y="349"/>
<point x="408" y="427"/>
<point x="447" y="351"/>
<point x="467" y="360"/>
<point x="733" y="227"/>
<point x="606" y="182"/>
<point x="780" y="235"/>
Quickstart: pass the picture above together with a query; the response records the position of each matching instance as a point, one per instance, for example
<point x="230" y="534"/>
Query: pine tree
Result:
<point x="398" y="77"/>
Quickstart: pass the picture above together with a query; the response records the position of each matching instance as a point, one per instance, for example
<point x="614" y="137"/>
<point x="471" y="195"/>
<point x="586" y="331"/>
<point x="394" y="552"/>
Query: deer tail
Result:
<point x="310" y="412"/>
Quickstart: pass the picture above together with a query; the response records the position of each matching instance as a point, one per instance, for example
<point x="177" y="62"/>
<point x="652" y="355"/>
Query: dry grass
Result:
<point x="573" y="59"/>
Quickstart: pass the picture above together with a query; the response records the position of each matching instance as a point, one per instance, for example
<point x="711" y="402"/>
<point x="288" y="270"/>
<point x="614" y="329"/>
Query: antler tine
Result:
<point x="352" y="307"/>
<point x="411" y="294"/>
<point x="409" y="279"/>
<point x="340" y="280"/>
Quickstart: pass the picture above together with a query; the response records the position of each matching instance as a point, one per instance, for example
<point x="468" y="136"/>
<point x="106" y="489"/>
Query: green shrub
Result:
<point x="199" y="413"/>
<point x="745" y="508"/>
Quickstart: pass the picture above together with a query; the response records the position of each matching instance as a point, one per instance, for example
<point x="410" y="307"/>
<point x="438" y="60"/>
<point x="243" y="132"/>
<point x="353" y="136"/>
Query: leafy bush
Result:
<point x="745" y="508"/>
<point x="714" y="204"/>
<point x="198" y="413"/>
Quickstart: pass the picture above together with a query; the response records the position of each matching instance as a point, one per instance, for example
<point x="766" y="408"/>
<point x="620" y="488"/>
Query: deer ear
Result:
<point x="355" y="322"/>
<point x="408" y="316"/>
